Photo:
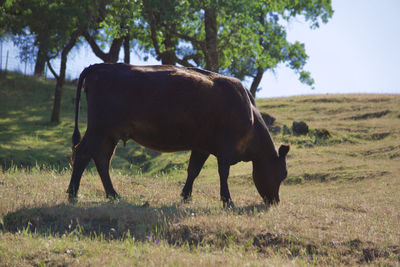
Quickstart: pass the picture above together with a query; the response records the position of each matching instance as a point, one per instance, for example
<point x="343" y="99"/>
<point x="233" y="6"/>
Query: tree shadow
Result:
<point x="27" y="136"/>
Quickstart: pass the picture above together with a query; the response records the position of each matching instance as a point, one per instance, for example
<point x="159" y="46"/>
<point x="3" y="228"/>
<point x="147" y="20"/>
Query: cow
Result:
<point x="170" y="108"/>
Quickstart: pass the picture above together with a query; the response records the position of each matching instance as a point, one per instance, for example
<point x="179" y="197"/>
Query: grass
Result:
<point x="339" y="206"/>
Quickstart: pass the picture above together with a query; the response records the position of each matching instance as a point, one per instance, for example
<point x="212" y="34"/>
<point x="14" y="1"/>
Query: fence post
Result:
<point x="5" y="69"/>
<point x="1" y="54"/>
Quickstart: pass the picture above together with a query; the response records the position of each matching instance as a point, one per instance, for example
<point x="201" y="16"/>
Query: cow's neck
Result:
<point x="263" y="147"/>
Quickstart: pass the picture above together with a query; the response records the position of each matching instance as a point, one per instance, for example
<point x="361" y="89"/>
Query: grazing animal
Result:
<point x="169" y="108"/>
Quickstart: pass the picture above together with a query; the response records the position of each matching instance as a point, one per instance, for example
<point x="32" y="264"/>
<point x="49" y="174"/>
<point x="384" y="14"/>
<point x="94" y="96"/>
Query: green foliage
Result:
<point x="251" y="34"/>
<point x="48" y="24"/>
<point x="120" y="18"/>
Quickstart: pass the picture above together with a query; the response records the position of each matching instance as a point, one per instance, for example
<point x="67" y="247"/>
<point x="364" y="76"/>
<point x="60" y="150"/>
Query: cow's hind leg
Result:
<point x="196" y="162"/>
<point x="80" y="159"/>
<point x="102" y="159"/>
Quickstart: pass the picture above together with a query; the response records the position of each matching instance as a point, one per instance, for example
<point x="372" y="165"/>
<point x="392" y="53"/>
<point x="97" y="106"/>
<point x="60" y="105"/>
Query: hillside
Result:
<point x="339" y="205"/>
<point x="365" y="128"/>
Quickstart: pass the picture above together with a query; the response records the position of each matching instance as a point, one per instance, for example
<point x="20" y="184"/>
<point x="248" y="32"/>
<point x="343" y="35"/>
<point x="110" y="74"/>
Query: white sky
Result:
<point x="357" y="51"/>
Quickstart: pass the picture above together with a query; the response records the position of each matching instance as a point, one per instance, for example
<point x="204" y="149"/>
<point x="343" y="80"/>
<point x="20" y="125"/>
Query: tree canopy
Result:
<point x="242" y="38"/>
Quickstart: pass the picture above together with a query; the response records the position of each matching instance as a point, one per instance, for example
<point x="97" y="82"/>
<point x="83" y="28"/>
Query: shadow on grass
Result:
<point x="27" y="136"/>
<point x="113" y="220"/>
<point x="109" y="220"/>
<point x="122" y="220"/>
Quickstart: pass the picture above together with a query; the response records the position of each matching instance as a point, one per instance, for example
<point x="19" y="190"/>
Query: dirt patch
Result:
<point x="316" y="177"/>
<point x="268" y="239"/>
<point x="370" y="115"/>
<point x="367" y="251"/>
<point x="379" y="136"/>
<point x="183" y="234"/>
<point x="350" y="208"/>
<point x="325" y="100"/>
<point x="274" y="106"/>
<point x="381" y="151"/>
<point x="378" y="100"/>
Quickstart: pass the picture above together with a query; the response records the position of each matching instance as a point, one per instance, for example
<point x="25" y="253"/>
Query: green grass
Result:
<point x="339" y="206"/>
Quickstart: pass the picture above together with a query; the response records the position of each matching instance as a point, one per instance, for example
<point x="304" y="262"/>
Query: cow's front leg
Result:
<point x="223" y="170"/>
<point x="196" y="162"/>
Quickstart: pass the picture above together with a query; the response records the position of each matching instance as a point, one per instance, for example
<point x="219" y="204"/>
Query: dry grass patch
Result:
<point x="339" y="206"/>
<point x="342" y="222"/>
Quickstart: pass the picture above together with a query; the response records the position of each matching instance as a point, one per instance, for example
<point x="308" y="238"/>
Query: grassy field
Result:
<point x="339" y="206"/>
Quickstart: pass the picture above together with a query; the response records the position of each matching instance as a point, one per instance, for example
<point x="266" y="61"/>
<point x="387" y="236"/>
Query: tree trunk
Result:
<point x="41" y="59"/>
<point x="211" y="28"/>
<point x="55" y="115"/>
<point x="127" y="50"/>
<point x="260" y="70"/>
<point x="168" y="57"/>
<point x="114" y="50"/>
<point x="256" y="81"/>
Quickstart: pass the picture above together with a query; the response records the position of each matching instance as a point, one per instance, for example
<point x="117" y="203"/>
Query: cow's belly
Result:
<point x="164" y="137"/>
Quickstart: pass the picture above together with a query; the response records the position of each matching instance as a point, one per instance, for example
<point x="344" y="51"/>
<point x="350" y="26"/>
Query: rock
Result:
<point x="275" y="129"/>
<point x="300" y="128"/>
<point x="268" y="119"/>
<point x="322" y="133"/>
<point x="286" y="130"/>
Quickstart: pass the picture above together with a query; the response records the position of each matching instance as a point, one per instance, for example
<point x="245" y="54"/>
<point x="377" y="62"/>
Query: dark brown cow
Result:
<point x="168" y="108"/>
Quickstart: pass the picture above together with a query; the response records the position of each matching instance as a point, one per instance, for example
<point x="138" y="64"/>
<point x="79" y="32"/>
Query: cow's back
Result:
<point x="166" y="108"/>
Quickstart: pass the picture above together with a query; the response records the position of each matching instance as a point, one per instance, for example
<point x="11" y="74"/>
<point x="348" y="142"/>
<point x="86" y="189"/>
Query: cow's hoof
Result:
<point x="186" y="198"/>
<point x="228" y="204"/>
<point x="72" y="199"/>
<point x="114" y="197"/>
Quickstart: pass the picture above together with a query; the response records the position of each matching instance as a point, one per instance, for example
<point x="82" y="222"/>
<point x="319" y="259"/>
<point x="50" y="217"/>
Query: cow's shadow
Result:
<point x="107" y="220"/>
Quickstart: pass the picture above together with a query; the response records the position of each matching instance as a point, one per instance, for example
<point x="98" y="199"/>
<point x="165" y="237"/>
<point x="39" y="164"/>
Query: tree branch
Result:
<point x="70" y="43"/>
<point x="184" y="62"/>
<point x="153" y="36"/>
<point x="96" y="49"/>
<point x="194" y="41"/>
<point x="52" y="70"/>
<point x="256" y="81"/>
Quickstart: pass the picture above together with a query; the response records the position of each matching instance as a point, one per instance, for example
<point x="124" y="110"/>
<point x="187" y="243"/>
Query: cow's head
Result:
<point x="269" y="174"/>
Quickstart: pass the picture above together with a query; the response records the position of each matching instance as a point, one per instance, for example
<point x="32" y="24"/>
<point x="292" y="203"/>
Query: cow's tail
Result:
<point x="76" y="136"/>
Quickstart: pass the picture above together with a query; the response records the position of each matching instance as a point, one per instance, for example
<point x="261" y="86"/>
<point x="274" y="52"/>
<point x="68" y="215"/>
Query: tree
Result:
<point x="243" y="38"/>
<point x="23" y="20"/>
<point x="272" y="47"/>
<point x="114" y="26"/>
<point x="60" y="78"/>
<point x="51" y="26"/>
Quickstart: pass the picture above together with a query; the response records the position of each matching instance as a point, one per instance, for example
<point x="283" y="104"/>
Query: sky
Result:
<point x="357" y="51"/>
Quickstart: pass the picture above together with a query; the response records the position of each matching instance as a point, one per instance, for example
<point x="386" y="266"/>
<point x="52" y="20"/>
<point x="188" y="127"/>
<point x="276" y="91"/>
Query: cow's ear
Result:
<point x="283" y="150"/>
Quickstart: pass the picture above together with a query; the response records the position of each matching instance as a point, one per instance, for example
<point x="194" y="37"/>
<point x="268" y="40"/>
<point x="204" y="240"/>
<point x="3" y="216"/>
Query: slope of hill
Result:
<point x="339" y="205"/>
